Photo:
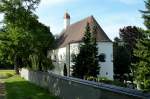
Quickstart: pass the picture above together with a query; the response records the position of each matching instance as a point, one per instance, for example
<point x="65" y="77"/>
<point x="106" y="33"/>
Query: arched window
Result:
<point x="102" y="57"/>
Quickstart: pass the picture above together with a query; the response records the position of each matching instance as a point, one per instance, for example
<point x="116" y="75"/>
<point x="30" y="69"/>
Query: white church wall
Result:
<point x="59" y="60"/>
<point x="74" y="49"/>
<point x="103" y="47"/>
<point x="106" y="69"/>
<point x="62" y="54"/>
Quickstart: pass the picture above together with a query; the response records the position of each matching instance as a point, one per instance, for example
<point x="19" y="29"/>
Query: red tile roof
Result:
<point x="75" y="32"/>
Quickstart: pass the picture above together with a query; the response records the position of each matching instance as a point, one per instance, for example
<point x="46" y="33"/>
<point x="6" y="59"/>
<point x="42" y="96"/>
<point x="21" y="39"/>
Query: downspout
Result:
<point x="69" y="58"/>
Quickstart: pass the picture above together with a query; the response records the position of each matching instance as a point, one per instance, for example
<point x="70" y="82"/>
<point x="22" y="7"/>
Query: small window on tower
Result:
<point x="102" y="57"/>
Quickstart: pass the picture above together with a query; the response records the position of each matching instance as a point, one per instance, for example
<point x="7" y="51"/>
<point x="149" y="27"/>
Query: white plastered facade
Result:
<point x="63" y="56"/>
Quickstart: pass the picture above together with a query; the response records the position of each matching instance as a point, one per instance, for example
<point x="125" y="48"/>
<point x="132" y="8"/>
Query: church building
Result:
<point x="68" y="44"/>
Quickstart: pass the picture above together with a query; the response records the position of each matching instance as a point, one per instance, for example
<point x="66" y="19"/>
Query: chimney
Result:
<point x="66" y="20"/>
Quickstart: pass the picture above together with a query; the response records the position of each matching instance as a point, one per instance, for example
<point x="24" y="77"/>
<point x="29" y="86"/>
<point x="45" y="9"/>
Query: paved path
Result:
<point x="2" y="90"/>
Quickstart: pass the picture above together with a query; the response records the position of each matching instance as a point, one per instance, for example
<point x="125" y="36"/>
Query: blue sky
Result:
<point x="110" y="14"/>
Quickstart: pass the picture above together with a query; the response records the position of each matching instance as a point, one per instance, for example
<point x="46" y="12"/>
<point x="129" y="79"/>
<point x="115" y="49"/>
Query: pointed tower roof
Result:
<point x="66" y="16"/>
<point x="75" y="32"/>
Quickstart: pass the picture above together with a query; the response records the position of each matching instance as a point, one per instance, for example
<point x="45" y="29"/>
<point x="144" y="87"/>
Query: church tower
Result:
<point x="66" y="20"/>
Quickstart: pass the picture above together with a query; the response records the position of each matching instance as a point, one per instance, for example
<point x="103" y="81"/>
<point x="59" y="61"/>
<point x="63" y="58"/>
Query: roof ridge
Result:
<point x="81" y="20"/>
<point x="76" y="23"/>
<point x="75" y="32"/>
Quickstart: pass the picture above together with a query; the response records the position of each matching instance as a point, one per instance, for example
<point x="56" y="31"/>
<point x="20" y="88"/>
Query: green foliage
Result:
<point x="123" y="51"/>
<point x="106" y="81"/>
<point x="121" y="59"/>
<point x="34" y="61"/>
<point x="86" y="62"/>
<point x="146" y="15"/>
<point x="142" y="67"/>
<point x="142" y="52"/>
<point x="129" y="36"/>
<point x="24" y="41"/>
<point x="4" y="74"/>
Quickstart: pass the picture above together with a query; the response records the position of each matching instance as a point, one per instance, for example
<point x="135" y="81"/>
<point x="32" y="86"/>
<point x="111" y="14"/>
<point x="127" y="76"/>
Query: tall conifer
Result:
<point x="142" y="67"/>
<point x="86" y="62"/>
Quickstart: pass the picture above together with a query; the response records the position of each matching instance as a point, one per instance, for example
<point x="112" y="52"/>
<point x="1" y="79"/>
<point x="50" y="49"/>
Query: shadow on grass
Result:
<point x="21" y="89"/>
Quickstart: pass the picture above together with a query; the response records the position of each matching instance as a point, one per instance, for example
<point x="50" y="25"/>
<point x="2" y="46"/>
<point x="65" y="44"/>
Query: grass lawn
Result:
<point x="18" y="88"/>
<point x="6" y="73"/>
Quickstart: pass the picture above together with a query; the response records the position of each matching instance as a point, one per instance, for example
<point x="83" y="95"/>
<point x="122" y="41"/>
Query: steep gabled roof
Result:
<point x="75" y="32"/>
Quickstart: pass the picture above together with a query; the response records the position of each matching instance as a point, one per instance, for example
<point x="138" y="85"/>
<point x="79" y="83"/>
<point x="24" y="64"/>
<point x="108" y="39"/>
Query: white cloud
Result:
<point x="54" y="2"/>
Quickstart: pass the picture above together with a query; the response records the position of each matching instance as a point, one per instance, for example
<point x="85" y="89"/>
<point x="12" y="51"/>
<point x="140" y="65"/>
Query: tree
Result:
<point x="121" y="60"/>
<point x="86" y="62"/>
<point x="142" y="52"/>
<point x="129" y="36"/>
<point x="142" y="67"/>
<point x="123" y="51"/>
<point x="9" y="46"/>
<point x="24" y="37"/>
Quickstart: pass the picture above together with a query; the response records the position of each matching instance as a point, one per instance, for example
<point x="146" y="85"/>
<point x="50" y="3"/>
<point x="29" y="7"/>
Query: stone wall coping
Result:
<point x="102" y="86"/>
<point x="116" y="89"/>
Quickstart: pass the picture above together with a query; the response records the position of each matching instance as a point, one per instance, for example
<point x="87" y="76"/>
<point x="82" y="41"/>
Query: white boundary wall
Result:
<point x="73" y="88"/>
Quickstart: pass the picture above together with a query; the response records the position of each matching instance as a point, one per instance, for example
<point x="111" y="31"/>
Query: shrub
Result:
<point x="106" y="81"/>
<point x="146" y="85"/>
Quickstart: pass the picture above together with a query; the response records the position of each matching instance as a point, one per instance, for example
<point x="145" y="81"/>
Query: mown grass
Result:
<point x="7" y="71"/>
<point x="6" y="74"/>
<point x="18" y="88"/>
